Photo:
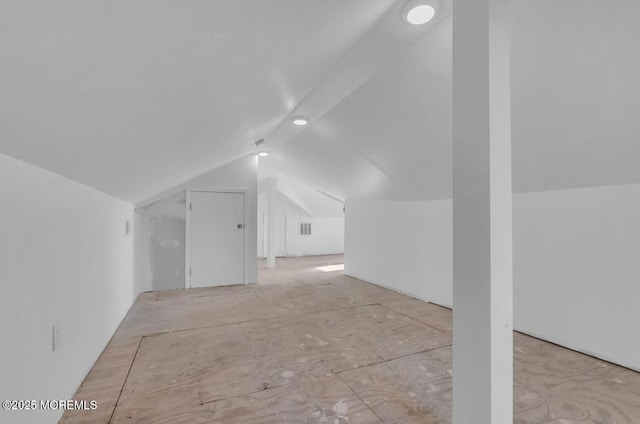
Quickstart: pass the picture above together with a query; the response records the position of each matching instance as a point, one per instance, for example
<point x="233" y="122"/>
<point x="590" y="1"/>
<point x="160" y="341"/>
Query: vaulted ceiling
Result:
<point x="133" y="97"/>
<point x="575" y="105"/>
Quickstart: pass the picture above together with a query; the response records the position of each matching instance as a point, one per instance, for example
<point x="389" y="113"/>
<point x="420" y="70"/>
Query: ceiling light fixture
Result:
<point x="300" y="120"/>
<point x="419" y="14"/>
<point x="263" y="154"/>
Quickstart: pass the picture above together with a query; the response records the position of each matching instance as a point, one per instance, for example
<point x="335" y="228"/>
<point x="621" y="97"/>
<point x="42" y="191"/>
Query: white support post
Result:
<point x="482" y="214"/>
<point x="271" y="223"/>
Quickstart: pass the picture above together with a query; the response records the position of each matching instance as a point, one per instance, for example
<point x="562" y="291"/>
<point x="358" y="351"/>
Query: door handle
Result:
<point x="240" y="226"/>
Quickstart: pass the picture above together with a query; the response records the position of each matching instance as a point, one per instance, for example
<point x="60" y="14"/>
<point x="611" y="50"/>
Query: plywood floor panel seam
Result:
<point x="239" y="395"/>
<point x="383" y="361"/>
<point x="307" y="346"/>
<point x="414" y="318"/>
<point x="160" y="333"/>
<point x="125" y="380"/>
<point x="359" y="397"/>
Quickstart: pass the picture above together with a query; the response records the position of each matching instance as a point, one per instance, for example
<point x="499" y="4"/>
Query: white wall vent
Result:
<point x="305" y="228"/>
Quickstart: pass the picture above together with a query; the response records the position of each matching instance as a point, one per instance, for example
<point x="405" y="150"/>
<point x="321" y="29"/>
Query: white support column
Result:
<point x="482" y="222"/>
<point x="271" y="223"/>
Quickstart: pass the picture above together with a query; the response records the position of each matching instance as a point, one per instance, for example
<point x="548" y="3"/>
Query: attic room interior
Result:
<point x="320" y="211"/>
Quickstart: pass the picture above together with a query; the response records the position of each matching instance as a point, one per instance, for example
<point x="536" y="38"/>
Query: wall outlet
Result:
<point x="55" y="337"/>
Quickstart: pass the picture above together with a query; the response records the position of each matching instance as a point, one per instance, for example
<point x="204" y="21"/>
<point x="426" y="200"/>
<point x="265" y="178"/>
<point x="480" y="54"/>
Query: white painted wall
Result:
<point x="577" y="269"/>
<point x="405" y="246"/>
<point x="160" y="243"/>
<point x="327" y="236"/>
<point x="239" y="174"/>
<point x="576" y="262"/>
<point x="65" y="259"/>
<point x="294" y="204"/>
<point x="286" y="216"/>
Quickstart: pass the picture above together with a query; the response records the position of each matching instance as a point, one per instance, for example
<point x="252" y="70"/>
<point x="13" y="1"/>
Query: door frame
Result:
<point x="187" y="244"/>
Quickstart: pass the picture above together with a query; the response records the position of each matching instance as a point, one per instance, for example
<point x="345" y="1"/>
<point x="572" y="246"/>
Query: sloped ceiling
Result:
<point x="313" y="202"/>
<point x="134" y="97"/>
<point x="576" y="93"/>
<point x="575" y="104"/>
<point x="390" y="138"/>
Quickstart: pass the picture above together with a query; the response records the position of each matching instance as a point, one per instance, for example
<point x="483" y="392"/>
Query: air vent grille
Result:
<point x="305" y="228"/>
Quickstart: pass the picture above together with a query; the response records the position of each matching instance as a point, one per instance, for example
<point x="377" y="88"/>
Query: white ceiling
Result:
<point x="131" y="97"/>
<point x="134" y="97"/>
<point x="575" y="105"/>
<point x="299" y="198"/>
<point x="575" y="93"/>
<point x="390" y="138"/>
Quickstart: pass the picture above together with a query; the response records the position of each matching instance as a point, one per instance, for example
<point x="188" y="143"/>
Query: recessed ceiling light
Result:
<point x="300" y="120"/>
<point x="420" y="14"/>
<point x="263" y="154"/>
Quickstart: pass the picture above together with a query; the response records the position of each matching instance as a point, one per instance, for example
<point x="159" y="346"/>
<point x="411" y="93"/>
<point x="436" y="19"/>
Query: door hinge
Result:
<point x="190" y="206"/>
<point x="189" y="271"/>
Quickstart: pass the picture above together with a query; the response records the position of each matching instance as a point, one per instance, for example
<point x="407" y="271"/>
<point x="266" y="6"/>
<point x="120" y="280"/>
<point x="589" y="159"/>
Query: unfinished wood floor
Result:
<point x="307" y="346"/>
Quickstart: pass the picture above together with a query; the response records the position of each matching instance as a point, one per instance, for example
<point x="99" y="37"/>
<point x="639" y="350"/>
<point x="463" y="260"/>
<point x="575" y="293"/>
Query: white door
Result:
<point x="217" y="238"/>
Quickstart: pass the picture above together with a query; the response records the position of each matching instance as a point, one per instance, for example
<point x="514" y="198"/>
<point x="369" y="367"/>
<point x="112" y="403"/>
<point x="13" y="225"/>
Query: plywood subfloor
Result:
<point x="307" y="346"/>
